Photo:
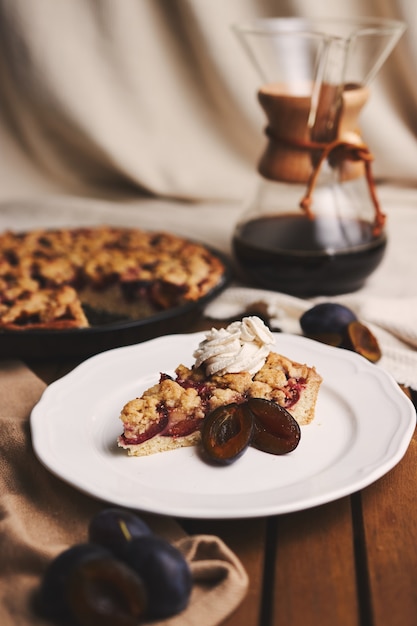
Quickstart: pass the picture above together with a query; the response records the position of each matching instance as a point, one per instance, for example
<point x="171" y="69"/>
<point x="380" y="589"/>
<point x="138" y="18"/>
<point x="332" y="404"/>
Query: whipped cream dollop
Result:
<point x="241" y="347"/>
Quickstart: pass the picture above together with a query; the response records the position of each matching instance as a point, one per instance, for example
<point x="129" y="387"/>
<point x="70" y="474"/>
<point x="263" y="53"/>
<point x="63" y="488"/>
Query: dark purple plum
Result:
<point x="327" y="321"/>
<point x="113" y="527"/>
<point x="165" y="573"/>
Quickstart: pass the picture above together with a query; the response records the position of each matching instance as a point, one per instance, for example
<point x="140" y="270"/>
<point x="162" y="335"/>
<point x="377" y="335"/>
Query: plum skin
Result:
<point x="326" y="318"/>
<point x="165" y="572"/>
<point x="113" y="527"/>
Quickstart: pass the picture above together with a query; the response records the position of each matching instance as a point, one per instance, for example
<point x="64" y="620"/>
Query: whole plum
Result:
<point x="165" y="573"/>
<point x="113" y="527"/>
<point x="327" y="322"/>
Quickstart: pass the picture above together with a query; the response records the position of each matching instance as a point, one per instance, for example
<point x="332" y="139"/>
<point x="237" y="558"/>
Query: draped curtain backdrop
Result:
<point x="156" y="98"/>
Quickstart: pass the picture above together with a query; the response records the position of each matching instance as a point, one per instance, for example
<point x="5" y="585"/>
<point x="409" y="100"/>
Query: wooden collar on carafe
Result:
<point x="339" y="150"/>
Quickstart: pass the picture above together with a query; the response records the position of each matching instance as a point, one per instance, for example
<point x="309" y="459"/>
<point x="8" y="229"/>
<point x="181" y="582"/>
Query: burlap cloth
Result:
<point x="40" y="516"/>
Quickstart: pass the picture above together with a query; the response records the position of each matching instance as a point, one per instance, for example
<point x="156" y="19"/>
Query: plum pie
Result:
<point x="70" y="277"/>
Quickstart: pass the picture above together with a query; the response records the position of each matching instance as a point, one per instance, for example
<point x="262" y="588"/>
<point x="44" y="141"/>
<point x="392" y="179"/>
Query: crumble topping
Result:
<point x="80" y="266"/>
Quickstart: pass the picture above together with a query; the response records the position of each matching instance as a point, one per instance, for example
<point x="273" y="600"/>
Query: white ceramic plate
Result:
<point x="362" y="428"/>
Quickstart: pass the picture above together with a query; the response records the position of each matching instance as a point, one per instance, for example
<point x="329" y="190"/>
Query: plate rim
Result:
<point x="407" y="417"/>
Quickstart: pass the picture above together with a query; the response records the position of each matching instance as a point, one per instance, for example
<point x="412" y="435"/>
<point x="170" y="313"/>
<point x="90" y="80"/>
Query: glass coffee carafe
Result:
<point x="314" y="226"/>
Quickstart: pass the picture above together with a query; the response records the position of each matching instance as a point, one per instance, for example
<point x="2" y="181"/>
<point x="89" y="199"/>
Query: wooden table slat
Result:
<point x="390" y="526"/>
<point x="315" y="579"/>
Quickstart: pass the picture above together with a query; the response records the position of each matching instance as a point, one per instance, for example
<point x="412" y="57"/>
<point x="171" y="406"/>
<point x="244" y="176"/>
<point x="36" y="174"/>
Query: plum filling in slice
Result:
<point x="178" y="424"/>
<point x="182" y="428"/>
<point x="293" y="390"/>
<point x="132" y="437"/>
<point x="169" y="425"/>
<point x="175" y="422"/>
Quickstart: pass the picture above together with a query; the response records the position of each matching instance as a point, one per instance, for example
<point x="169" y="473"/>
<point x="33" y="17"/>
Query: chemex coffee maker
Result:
<point x="315" y="225"/>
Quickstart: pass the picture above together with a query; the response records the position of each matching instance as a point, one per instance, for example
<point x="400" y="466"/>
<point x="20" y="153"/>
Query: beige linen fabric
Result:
<point x="156" y="97"/>
<point x="40" y="516"/>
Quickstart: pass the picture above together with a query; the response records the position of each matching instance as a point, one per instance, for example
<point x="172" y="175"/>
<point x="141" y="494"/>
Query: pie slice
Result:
<point x="56" y="309"/>
<point x="169" y="414"/>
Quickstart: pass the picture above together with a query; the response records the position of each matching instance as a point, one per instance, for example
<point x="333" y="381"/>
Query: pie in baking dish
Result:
<point x="64" y="278"/>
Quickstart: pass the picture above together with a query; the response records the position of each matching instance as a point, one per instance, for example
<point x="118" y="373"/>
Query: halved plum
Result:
<point x="227" y="432"/>
<point x="275" y="429"/>
<point x="361" y="340"/>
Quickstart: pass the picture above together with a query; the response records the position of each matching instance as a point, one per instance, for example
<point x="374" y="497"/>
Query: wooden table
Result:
<point x="352" y="562"/>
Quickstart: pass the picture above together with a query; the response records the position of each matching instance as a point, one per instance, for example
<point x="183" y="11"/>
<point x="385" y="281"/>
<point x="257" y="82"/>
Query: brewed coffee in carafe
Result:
<point x="315" y="225"/>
